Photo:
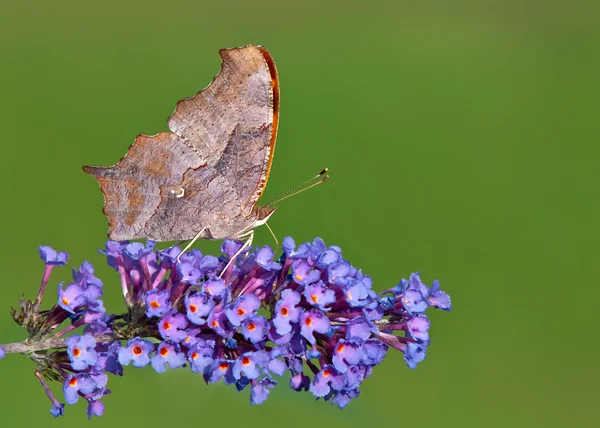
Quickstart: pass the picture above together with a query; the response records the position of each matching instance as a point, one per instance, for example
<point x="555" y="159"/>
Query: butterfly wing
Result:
<point x="211" y="171"/>
<point x="233" y="121"/>
<point x="161" y="190"/>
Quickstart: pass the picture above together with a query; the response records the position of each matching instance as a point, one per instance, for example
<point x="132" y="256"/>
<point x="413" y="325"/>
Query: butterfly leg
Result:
<point x="188" y="246"/>
<point x="247" y="244"/>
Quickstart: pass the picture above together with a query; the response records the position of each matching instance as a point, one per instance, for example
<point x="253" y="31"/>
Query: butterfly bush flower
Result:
<point x="309" y="312"/>
<point x="81" y="351"/>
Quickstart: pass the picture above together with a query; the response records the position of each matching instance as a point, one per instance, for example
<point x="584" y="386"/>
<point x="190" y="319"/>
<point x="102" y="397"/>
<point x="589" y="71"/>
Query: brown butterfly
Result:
<point x="204" y="179"/>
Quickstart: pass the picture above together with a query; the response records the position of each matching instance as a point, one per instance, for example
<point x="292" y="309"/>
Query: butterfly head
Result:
<point x="258" y="217"/>
<point x="261" y="215"/>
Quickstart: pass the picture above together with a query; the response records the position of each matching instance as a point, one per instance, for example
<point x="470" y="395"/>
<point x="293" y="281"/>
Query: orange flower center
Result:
<point x="164" y="352"/>
<point x="245" y="361"/>
<point x="167" y="325"/>
<point x="251" y="326"/>
<point x="154" y="304"/>
<point x="137" y="350"/>
<point x="284" y="311"/>
<point x="193" y="308"/>
<point x="308" y="321"/>
<point x="76" y="352"/>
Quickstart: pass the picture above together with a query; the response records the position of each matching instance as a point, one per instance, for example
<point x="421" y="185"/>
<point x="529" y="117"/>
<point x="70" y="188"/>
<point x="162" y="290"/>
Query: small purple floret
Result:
<point x="81" y="351"/>
<point x="137" y="352"/>
<point x="244" y="307"/>
<point x="168" y="353"/>
<point x="95" y="408"/>
<point x="286" y="311"/>
<point x="58" y="409"/>
<point x="311" y="322"/>
<point x="51" y="257"/>
<point x="75" y="384"/>
<point x="319" y="295"/>
<point x="255" y="329"/>
<point x="157" y="303"/>
<point x="261" y="390"/>
<point x="326" y="380"/>
<point x="172" y="326"/>
<point x="198" y="307"/>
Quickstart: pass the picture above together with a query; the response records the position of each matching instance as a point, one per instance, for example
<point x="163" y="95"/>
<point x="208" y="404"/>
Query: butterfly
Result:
<point x="204" y="178"/>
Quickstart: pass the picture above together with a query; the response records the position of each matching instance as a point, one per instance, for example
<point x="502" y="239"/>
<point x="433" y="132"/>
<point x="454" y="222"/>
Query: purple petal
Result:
<point x="51" y="257"/>
<point x="418" y="328"/>
<point x="288" y="245"/>
<point x="189" y="273"/>
<point x="313" y="321"/>
<point x="326" y="380"/>
<point x="277" y="366"/>
<point x="58" y="409"/>
<point x="172" y="327"/>
<point x="260" y="390"/>
<point x="329" y="256"/>
<point x="300" y="382"/>
<point x="319" y="295"/>
<point x="214" y="286"/>
<point x="337" y="273"/>
<point x="71" y="297"/>
<point x="303" y="273"/>
<point x="286" y="311"/>
<point x="255" y="329"/>
<point x="201" y="356"/>
<point x="359" y="329"/>
<point x="346" y="353"/>
<point x="137" y="352"/>
<point x="198" y="307"/>
<point x="374" y="352"/>
<point x="413" y="301"/>
<point x="438" y="298"/>
<point x="230" y="247"/>
<point x="244" y="307"/>
<point x="415" y="353"/>
<point x="264" y="258"/>
<point x="157" y="303"/>
<point x="95" y="408"/>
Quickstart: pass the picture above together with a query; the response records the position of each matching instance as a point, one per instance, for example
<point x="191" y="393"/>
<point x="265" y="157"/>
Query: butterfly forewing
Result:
<point x="210" y="173"/>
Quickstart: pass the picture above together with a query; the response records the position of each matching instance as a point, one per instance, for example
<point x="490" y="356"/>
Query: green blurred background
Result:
<point x="462" y="138"/>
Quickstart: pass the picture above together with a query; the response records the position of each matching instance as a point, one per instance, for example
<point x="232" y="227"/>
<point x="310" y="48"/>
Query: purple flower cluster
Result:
<point x="310" y="312"/>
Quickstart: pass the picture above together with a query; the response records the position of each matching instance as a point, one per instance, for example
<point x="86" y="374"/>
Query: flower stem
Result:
<point x="52" y="343"/>
<point x="45" y="279"/>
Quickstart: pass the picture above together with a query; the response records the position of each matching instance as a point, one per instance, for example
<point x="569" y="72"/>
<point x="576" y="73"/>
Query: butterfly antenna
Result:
<point x="301" y="187"/>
